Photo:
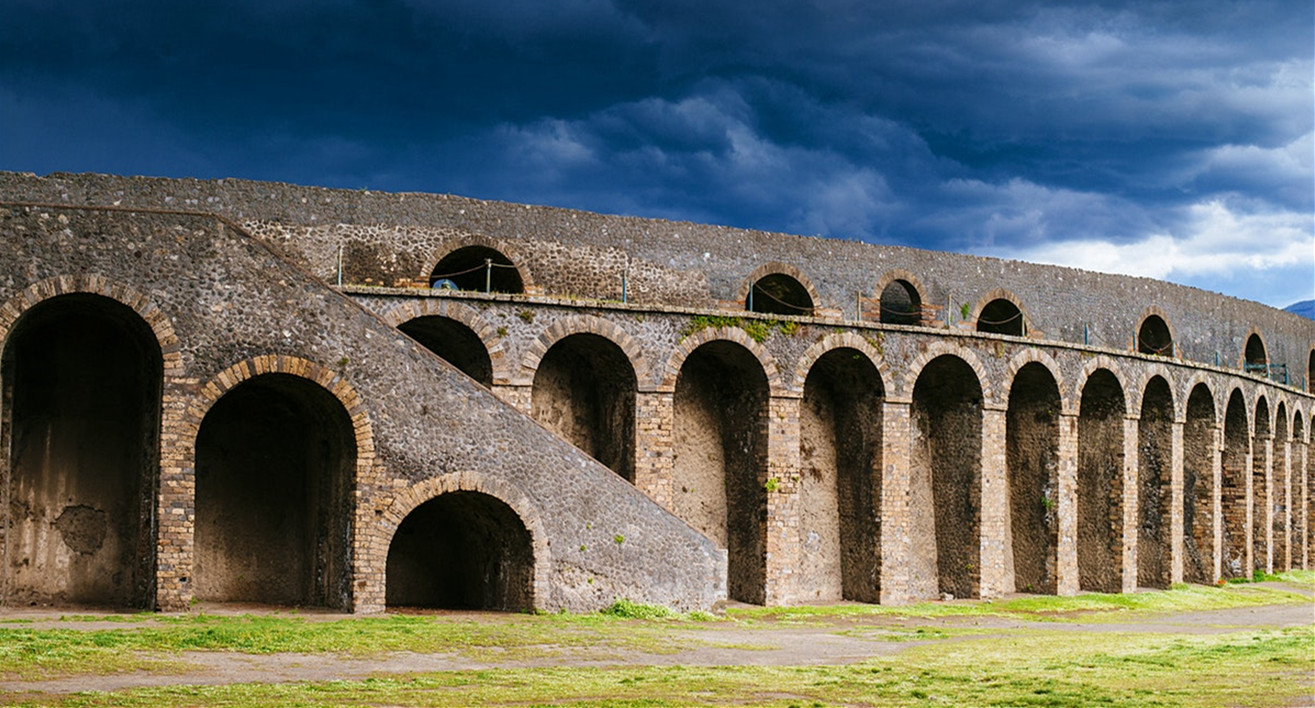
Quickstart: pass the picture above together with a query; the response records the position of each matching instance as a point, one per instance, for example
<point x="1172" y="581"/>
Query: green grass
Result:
<point x="1090" y="607"/>
<point x="1034" y="668"/>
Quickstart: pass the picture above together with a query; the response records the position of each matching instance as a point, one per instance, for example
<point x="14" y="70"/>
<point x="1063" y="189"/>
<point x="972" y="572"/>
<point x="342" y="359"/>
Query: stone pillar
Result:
<point x="783" y="505"/>
<point x="1267" y="512"/>
<point x="176" y="497"/>
<point x="655" y="441"/>
<point x="1284" y="475"/>
<point x="1130" y="489"/>
<point x="1066" y="507"/>
<point x="996" y="549"/>
<point x="896" y="530"/>
<point x="1176" y="502"/>
<point x="1217" y="498"/>
<point x="1248" y="477"/>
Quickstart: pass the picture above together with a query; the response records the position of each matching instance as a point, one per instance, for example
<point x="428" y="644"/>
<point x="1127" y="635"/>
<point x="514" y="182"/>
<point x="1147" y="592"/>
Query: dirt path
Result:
<point x="835" y="641"/>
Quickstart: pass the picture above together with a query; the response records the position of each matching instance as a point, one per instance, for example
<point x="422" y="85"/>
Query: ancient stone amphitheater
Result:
<point x="235" y="391"/>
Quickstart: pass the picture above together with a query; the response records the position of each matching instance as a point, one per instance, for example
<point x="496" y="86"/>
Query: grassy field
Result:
<point x="1024" y="652"/>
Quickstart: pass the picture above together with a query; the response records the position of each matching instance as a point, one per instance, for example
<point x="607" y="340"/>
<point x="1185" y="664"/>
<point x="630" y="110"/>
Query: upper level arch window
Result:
<point x="477" y="268"/>
<point x="1001" y="316"/>
<point x="1154" y="337"/>
<point x="1255" y="359"/>
<point x="900" y="304"/>
<point x="779" y="294"/>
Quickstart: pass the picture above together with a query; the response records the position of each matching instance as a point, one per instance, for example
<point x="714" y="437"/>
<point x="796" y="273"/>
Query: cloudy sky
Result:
<point x="1160" y="138"/>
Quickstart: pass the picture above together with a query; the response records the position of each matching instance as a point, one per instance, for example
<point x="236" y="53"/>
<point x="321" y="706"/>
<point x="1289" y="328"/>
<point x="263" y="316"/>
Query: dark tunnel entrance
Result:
<point x="455" y="343"/>
<point x="477" y="268"/>
<point x="82" y="381"/>
<point x="840" y="480"/>
<point x="1198" y="487"/>
<point x="1032" y="464"/>
<point x="1154" y="467"/>
<point x="584" y="390"/>
<point x="721" y="459"/>
<point x="1100" y="484"/>
<point x="461" y="550"/>
<point x="275" y="460"/>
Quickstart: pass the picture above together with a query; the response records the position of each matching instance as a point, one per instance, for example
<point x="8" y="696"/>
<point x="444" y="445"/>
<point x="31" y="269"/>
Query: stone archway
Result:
<point x="1032" y="464"/>
<point x="1198" y="487"/>
<point x="83" y="375"/>
<point x="1154" y="470"/>
<point x="1101" y="417"/>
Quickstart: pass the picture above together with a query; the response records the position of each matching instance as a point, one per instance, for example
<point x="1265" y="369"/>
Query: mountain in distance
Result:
<point x="1305" y="308"/>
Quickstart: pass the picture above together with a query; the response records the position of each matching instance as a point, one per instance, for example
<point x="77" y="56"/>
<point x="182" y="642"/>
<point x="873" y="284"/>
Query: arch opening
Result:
<point x="1001" y="316"/>
<point x="1154" y="460"/>
<point x="82" y="386"/>
<point x="584" y="390"/>
<point x="1278" y="503"/>
<point x="1233" y="489"/>
<point x="840" y="486"/>
<point x="461" y="550"/>
<point x="275" y="462"/>
<point x="721" y="459"/>
<point x="477" y="268"/>
<point x="453" y="342"/>
<point x="1100" y="484"/>
<point x="900" y="304"/>
<point x="1198" y="487"/>
<point x="1297" y="527"/>
<point x="779" y="294"/>
<point x="945" y="477"/>
<point x="1255" y="358"/>
<point x="1262" y="451"/>
<point x="1032" y="466"/>
<point x="1154" y="337"/>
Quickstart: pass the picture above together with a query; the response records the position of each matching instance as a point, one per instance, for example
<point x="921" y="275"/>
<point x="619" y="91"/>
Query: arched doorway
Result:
<point x="461" y="550"/>
<point x="1032" y="463"/>
<point x="1100" y="484"/>
<point x="1278" y="502"/>
<point x="945" y="476"/>
<point x="584" y="390"/>
<point x="1233" y="492"/>
<point x="1262" y="448"/>
<point x="900" y="304"/>
<point x="455" y="343"/>
<point x="1198" y="487"/>
<point x="82" y="380"/>
<point x="840" y="480"/>
<point x="1154" y="468"/>
<point x="1256" y="360"/>
<point x="275" y="462"/>
<point x="1001" y="316"/>
<point x="779" y="294"/>
<point x="1154" y="337"/>
<point x="721" y="458"/>
<point x="477" y="268"/>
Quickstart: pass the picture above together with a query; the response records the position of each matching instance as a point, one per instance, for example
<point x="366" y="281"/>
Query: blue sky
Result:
<point x="1166" y="139"/>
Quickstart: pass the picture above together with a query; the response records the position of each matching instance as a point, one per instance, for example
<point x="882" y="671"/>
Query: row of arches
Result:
<point x="276" y="461"/>
<point x="780" y="289"/>
<point x="585" y="388"/>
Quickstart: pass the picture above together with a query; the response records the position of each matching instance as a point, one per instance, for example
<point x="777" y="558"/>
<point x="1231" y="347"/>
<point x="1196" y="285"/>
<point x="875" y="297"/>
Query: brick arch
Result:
<point x="466" y="315"/>
<point x="1002" y="294"/>
<point x="326" y="378"/>
<point x="891" y="276"/>
<point x="1101" y="361"/>
<point x="671" y="371"/>
<point x="581" y="324"/>
<point x="1034" y="356"/>
<point x="1146" y="372"/>
<point x="506" y="248"/>
<point x="1298" y="424"/>
<point x="831" y="342"/>
<point x="939" y="348"/>
<point x="159" y="322"/>
<point x="775" y="268"/>
<point x="1242" y="353"/>
<point x="1184" y="393"/>
<point x="1271" y="407"/>
<point x="372" y="558"/>
<point x="1173" y="334"/>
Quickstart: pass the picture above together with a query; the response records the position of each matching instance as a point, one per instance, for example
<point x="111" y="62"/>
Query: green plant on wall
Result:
<point x="964" y="309"/>
<point x="757" y="329"/>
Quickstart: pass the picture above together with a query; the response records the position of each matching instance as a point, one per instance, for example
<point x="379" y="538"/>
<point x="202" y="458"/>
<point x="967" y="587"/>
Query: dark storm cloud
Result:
<point x="1043" y="130"/>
